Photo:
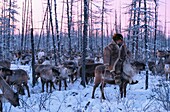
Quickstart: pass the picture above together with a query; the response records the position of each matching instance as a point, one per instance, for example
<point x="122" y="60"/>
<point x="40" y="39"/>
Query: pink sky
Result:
<point x="39" y="7"/>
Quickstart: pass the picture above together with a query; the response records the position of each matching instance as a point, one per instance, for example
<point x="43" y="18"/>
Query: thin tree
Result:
<point x="42" y="28"/>
<point x="102" y="24"/>
<point x="137" y="29"/>
<point x="27" y="25"/>
<point x="23" y="23"/>
<point x="52" y="29"/>
<point x="1" y="37"/>
<point x="85" y="30"/>
<point x="9" y="26"/>
<point x="116" y="27"/>
<point x="57" y="32"/>
<point x="61" y="27"/>
<point x="134" y="28"/>
<point x="166" y="42"/>
<point x="69" y="26"/>
<point x="156" y="21"/>
<point x="146" y="43"/>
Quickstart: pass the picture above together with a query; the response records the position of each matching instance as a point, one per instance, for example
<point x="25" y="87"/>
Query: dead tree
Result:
<point x="85" y="30"/>
<point x="57" y="32"/>
<point x="156" y="21"/>
<point x="52" y="29"/>
<point x="146" y="43"/>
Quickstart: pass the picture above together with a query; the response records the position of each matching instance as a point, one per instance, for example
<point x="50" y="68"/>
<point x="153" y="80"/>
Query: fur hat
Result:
<point x="117" y="36"/>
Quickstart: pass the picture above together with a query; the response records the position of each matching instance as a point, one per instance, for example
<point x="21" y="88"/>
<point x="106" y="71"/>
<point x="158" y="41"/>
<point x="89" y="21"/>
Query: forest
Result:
<point x="73" y="34"/>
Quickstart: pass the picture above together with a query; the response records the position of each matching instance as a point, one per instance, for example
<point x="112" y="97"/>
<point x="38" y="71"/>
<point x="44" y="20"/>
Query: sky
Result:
<point x="39" y="8"/>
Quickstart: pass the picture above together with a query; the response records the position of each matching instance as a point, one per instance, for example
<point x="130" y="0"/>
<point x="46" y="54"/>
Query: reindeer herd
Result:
<point x="68" y="72"/>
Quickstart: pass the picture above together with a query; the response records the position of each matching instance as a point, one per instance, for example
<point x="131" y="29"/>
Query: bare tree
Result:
<point x="69" y="26"/>
<point x="146" y="43"/>
<point x="156" y="21"/>
<point x="85" y="30"/>
<point x="57" y="32"/>
<point x="103" y="3"/>
<point x="52" y="29"/>
<point x="23" y="23"/>
<point x="7" y="27"/>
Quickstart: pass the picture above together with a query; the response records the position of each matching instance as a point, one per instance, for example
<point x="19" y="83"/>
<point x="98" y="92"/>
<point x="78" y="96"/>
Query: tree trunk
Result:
<point x="156" y="20"/>
<point x="39" y="40"/>
<point x="146" y="44"/>
<point x="52" y="29"/>
<point x="85" y="30"/>
<point x="33" y="58"/>
<point x="57" y="32"/>
<point x="102" y="27"/>
<point x="1" y="40"/>
<point x="23" y="24"/>
<point x="69" y="27"/>
<point x="137" y="30"/>
<point x="134" y="29"/>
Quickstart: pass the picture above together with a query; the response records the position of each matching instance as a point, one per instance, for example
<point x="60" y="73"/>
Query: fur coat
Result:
<point x="114" y="55"/>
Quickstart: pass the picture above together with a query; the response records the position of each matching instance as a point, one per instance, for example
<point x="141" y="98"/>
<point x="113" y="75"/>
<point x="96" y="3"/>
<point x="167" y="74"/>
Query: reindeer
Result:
<point x="52" y="74"/>
<point x="6" y="64"/>
<point x="39" y="68"/>
<point x="19" y="78"/>
<point x="8" y="93"/>
<point x="167" y="71"/>
<point x="64" y="75"/>
<point x="48" y="75"/>
<point x="90" y="70"/>
<point x="72" y="70"/>
<point x="103" y="76"/>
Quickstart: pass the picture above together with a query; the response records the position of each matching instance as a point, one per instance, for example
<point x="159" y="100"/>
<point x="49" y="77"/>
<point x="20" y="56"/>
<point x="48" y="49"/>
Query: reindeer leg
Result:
<point x="71" y="78"/>
<point x="47" y="86"/>
<point x="121" y="89"/>
<point x="94" y="88"/>
<point x="27" y="88"/>
<point x="166" y="76"/>
<point x="65" y="83"/>
<point x="51" y="85"/>
<point x="60" y="84"/>
<point x="86" y="78"/>
<point x="43" y="83"/>
<point x="102" y="90"/>
<point x="125" y="85"/>
<point x="20" y="89"/>
<point x="1" y="108"/>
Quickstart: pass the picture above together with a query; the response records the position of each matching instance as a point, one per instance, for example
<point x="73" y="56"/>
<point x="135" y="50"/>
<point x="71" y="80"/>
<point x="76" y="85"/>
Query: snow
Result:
<point x="78" y="99"/>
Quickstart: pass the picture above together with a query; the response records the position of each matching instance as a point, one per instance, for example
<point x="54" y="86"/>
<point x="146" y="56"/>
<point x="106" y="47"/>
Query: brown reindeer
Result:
<point x="103" y="76"/>
<point x="64" y="75"/>
<point x="52" y="74"/>
<point x="72" y="69"/>
<point x="19" y="78"/>
<point x="90" y="70"/>
<point x="5" y="64"/>
<point x="8" y="93"/>
<point x="49" y="75"/>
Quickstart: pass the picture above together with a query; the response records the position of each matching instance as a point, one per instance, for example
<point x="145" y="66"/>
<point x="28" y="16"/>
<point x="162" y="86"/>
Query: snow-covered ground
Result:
<point x="78" y="99"/>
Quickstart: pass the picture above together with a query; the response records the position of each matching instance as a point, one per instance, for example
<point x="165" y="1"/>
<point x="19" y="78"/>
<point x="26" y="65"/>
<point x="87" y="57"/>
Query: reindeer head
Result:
<point x="5" y="72"/>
